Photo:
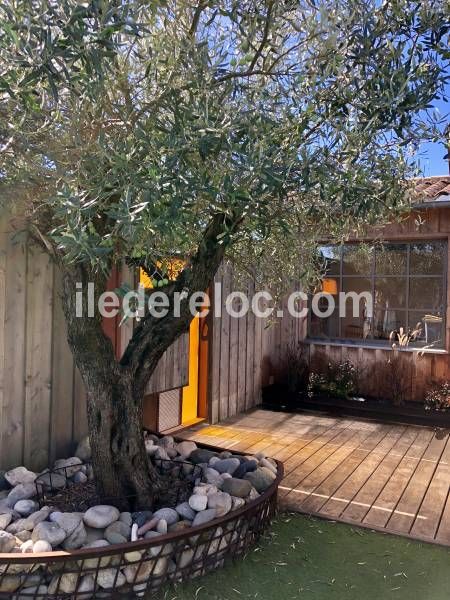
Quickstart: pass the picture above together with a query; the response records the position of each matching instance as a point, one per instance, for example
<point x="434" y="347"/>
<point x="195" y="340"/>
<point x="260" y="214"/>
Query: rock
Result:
<point x="42" y="546"/>
<point x="212" y="476"/>
<point x="109" y="578"/>
<point x="185" y="449"/>
<point x="68" y="466"/>
<point x="134" y="532"/>
<point x="125" y="517"/>
<point x="52" y="481"/>
<point x="93" y="534"/>
<point x="253" y="494"/>
<point x="25" y="507"/>
<point x="22" y="491"/>
<point x="188" y="468"/>
<point x="10" y="583"/>
<point x="118" y="533"/>
<point x="151" y="436"/>
<point x="180" y="526"/>
<point x="166" y="442"/>
<point x="149" y="444"/>
<point x="259" y="455"/>
<point x="168" y="514"/>
<point x="101" y="516"/>
<point x="161" y="453"/>
<point x="93" y="563"/>
<point x="7" y="541"/>
<point x="185" y="511"/>
<point x="221" y="502"/>
<point x="19" y="475"/>
<point x="201" y="455"/>
<point x="204" y="517"/>
<point x="141" y="572"/>
<point x="221" y="479"/>
<point x="5" y="519"/>
<point x="86" y="585"/>
<point x="202" y="489"/>
<point x="225" y="454"/>
<point x="69" y="521"/>
<point x="141" y="517"/>
<point x="16" y="526"/>
<point x="80" y="477"/>
<point x="237" y="503"/>
<point x="151" y="534"/>
<point x="49" y="532"/>
<point x="133" y="556"/>
<point x="260" y="479"/>
<point x="198" y="502"/>
<point x="37" y="517"/>
<point x="4" y="483"/>
<point x="66" y="583"/>
<point x="148" y="526"/>
<point x="172" y="453"/>
<point x="227" y="465"/>
<point x="23" y="535"/>
<point x="245" y="467"/>
<point x="76" y="539"/>
<point x="265" y="462"/>
<point x="162" y="527"/>
<point x="83" y="451"/>
<point x="237" y="487"/>
<point x="27" y="547"/>
<point x="36" y="591"/>
<point x="185" y="558"/>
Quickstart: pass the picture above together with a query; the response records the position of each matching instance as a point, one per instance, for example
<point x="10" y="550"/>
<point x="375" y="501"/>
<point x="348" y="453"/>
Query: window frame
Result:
<point x="385" y="343"/>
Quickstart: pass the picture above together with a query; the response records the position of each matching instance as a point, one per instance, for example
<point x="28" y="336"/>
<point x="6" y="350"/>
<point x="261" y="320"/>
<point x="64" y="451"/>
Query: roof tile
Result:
<point x="433" y="187"/>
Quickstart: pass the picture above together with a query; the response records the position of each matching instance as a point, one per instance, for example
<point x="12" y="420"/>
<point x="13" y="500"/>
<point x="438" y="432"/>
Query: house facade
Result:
<point x="405" y="268"/>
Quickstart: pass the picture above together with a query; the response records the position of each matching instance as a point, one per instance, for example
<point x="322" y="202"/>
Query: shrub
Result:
<point x="438" y="396"/>
<point x="296" y="370"/>
<point x="394" y="376"/>
<point x="339" y="379"/>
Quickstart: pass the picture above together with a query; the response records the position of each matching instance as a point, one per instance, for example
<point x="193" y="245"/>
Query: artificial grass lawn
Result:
<point x="313" y="559"/>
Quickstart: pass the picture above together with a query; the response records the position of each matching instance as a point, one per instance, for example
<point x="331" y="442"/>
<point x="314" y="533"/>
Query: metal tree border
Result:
<point x="149" y="564"/>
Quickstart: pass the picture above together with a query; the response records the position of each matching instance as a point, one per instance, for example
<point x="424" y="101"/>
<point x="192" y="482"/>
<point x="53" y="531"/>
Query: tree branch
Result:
<point x="265" y="36"/>
<point x="154" y="335"/>
<point x="197" y="14"/>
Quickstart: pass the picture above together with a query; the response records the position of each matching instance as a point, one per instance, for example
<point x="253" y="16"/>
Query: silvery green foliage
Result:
<point x="125" y="125"/>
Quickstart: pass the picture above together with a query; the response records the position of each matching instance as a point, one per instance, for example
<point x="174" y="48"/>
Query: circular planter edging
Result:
<point x="142" y="566"/>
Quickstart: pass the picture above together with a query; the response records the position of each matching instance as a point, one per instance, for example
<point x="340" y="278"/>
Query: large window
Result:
<point x="407" y="284"/>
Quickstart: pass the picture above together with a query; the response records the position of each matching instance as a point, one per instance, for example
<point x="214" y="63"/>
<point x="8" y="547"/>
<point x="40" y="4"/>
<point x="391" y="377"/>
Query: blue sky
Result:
<point x="431" y="156"/>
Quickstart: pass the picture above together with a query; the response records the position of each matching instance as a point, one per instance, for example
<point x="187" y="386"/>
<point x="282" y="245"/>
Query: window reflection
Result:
<point x="405" y="280"/>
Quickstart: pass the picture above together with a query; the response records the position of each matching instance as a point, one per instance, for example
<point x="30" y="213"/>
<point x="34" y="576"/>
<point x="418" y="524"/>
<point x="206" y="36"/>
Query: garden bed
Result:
<point x="278" y="398"/>
<point x="186" y="551"/>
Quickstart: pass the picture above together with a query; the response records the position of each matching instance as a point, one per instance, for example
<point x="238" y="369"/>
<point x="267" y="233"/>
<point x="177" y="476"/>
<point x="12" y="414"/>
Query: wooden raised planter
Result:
<point x="136" y="568"/>
<point x="278" y="398"/>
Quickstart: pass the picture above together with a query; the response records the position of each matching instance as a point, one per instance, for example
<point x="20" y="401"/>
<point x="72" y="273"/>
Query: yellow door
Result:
<point x="189" y="410"/>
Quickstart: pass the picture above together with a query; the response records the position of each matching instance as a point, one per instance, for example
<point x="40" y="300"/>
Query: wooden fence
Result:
<point x="247" y="353"/>
<point x="42" y="396"/>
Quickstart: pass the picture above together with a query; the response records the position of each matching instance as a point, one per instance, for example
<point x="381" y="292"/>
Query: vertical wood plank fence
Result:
<point x="42" y="395"/>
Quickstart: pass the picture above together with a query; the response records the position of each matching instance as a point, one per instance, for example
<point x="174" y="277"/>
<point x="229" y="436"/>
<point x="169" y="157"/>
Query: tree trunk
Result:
<point x="122" y="470"/>
<point x="121" y="467"/>
<point x="115" y="390"/>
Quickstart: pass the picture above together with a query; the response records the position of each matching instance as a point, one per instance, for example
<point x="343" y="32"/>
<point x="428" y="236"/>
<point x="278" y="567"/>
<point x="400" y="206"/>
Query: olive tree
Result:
<point x="137" y="131"/>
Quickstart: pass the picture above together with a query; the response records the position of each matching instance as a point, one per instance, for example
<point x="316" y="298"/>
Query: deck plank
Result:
<point x="403" y="518"/>
<point x="394" y="478"/>
<point x="365" y="498"/>
<point x="389" y="497"/>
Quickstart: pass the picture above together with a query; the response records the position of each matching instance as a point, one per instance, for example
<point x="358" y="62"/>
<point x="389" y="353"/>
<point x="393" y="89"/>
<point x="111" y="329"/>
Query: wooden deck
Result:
<point x="393" y="478"/>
